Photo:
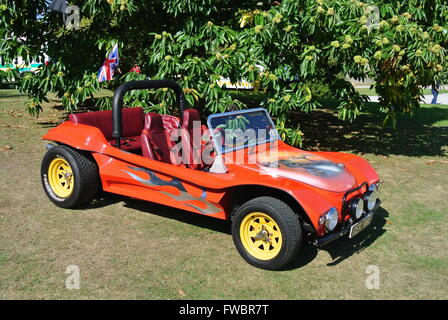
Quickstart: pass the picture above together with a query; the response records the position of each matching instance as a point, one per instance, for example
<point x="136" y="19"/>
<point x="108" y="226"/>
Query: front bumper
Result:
<point x="322" y="241"/>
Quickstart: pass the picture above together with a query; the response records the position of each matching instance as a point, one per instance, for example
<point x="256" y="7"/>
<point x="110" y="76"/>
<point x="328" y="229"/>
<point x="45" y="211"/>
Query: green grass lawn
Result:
<point x="129" y="249"/>
<point x="371" y="92"/>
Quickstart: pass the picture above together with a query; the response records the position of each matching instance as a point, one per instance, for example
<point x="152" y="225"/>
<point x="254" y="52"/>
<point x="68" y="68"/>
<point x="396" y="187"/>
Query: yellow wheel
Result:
<point x="261" y="236"/>
<point x="60" y="177"/>
<point x="267" y="233"/>
<point x="70" y="177"/>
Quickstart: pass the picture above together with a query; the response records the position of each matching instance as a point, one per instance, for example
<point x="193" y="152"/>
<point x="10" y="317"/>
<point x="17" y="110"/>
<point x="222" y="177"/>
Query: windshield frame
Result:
<point x="220" y="150"/>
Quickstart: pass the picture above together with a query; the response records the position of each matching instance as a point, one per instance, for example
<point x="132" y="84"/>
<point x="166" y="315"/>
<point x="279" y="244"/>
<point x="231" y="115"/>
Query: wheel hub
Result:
<point x="60" y="177"/>
<point x="261" y="235"/>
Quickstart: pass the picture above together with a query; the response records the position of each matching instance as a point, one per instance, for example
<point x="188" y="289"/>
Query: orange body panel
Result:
<point x="205" y="193"/>
<point x="143" y="183"/>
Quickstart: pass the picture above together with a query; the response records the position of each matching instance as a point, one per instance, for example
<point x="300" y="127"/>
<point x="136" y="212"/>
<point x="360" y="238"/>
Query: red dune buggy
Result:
<point x="274" y="194"/>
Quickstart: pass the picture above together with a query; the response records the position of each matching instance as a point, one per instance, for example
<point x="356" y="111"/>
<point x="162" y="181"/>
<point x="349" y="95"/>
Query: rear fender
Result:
<point x="78" y="136"/>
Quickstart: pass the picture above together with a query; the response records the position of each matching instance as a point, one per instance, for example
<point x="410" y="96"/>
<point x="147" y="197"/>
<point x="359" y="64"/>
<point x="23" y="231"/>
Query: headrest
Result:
<point x="189" y="116"/>
<point x="153" y="122"/>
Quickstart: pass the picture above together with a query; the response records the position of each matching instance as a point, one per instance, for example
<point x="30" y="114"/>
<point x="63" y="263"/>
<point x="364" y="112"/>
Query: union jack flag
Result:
<point x="106" y="72"/>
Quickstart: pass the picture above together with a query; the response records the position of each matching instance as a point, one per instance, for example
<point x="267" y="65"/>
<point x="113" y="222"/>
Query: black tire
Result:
<point x="286" y="219"/>
<point x="85" y="173"/>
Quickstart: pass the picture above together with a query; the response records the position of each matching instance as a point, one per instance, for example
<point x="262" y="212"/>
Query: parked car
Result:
<point x="274" y="194"/>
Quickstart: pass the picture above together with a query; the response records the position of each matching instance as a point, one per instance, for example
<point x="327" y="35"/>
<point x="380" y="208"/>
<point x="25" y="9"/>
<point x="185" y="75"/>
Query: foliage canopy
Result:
<point x="197" y="42"/>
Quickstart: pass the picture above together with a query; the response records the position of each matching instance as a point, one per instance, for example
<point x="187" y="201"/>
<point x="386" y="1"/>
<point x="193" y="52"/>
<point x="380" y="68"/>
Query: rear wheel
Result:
<point x="267" y="233"/>
<point x="69" y="177"/>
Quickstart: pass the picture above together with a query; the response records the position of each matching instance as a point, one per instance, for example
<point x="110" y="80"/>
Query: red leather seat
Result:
<point x="192" y="149"/>
<point x="155" y="143"/>
<point x="132" y="125"/>
<point x="170" y="123"/>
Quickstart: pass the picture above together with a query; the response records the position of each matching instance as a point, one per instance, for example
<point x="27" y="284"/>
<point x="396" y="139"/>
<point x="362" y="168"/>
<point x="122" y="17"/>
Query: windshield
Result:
<point x="241" y="129"/>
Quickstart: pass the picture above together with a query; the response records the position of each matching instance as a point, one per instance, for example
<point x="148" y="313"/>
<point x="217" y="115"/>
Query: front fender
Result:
<point x="314" y="206"/>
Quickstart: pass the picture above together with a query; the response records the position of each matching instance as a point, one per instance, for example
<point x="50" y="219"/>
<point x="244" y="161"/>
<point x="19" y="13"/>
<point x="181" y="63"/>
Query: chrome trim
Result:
<point x="322" y="241"/>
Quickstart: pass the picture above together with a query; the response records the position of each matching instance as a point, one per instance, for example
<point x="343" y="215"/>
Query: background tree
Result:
<point x="197" y="42"/>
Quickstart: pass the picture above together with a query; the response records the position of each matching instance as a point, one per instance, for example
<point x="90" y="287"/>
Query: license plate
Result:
<point x="361" y="225"/>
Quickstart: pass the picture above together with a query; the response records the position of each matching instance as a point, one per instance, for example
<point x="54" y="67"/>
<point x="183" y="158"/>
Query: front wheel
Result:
<point x="70" y="178"/>
<point x="267" y="233"/>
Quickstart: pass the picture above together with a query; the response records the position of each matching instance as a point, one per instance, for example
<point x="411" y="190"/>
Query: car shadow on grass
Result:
<point x="103" y="199"/>
<point x="339" y="250"/>
<point x="183" y="216"/>
<point x="343" y="248"/>
<point x="202" y="221"/>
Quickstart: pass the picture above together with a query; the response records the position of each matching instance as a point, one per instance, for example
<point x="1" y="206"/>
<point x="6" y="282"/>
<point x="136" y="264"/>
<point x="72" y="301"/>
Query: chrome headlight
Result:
<point x="331" y="219"/>
<point x="356" y="207"/>
<point x="370" y="198"/>
<point x="374" y="187"/>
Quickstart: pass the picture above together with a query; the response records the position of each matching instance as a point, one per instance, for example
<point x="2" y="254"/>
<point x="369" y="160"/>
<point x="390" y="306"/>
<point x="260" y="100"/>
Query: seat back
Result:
<point x="192" y="149"/>
<point x="154" y="139"/>
<point x="170" y="123"/>
<point x="189" y="117"/>
<point x="132" y="119"/>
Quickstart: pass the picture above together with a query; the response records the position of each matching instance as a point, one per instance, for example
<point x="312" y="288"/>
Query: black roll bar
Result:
<point x="117" y="102"/>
